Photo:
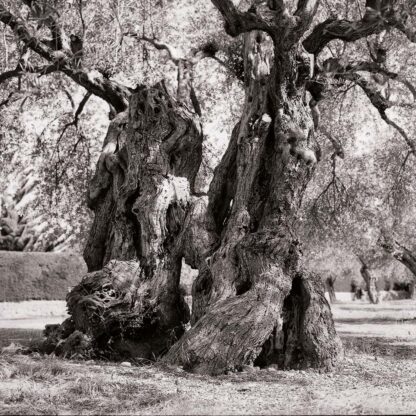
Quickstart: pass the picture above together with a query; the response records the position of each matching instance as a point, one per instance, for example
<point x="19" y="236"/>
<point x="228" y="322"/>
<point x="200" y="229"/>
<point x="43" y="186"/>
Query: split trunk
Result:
<point x="253" y="302"/>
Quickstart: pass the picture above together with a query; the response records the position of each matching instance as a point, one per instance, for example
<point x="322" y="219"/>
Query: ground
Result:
<point x="377" y="376"/>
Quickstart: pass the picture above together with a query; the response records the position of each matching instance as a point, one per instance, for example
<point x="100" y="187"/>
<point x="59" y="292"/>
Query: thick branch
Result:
<point x="306" y="11"/>
<point x="398" y="251"/>
<point x="112" y="92"/>
<point x="379" y="15"/>
<point x="344" y="30"/>
<point x="237" y="22"/>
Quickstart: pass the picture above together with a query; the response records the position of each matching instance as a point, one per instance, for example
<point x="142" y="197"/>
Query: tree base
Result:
<point x="250" y="329"/>
<point x="119" y="311"/>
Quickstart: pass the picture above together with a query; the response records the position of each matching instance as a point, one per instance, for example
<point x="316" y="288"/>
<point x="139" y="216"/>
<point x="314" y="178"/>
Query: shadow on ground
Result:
<point x="387" y="320"/>
<point x="379" y="346"/>
<point x="23" y="337"/>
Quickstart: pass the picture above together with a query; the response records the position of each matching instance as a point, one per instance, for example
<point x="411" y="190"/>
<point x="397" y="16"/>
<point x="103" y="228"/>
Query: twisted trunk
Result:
<point x="370" y="282"/>
<point x="141" y="194"/>
<point x="253" y="302"/>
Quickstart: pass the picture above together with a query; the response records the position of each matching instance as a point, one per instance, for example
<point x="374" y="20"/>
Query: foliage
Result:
<point x="347" y="205"/>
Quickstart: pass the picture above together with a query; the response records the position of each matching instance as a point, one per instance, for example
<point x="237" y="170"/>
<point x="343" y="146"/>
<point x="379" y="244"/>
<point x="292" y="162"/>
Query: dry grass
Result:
<point x="19" y="336"/>
<point x="377" y="376"/>
<point x="363" y="383"/>
<point x="48" y="385"/>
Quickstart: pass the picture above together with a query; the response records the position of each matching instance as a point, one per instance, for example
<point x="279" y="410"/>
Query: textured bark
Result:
<point x="119" y="307"/>
<point x="370" y="282"/>
<point x="250" y="290"/>
<point x="402" y="254"/>
<point x="142" y="194"/>
<point x="253" y="302"/>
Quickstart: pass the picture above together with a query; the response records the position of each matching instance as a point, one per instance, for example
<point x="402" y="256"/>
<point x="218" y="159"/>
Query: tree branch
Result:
<point x="205" y="51"/>
<point x="344" y="30"/>
<point x="59" y="38"/>
<point x="306" y="11"/>
<point x="381" y="104"/>
<point x="391" y="245"/>
<point x="112" y="92"/>
<point x="237" y="22"/>
<point x="379" y="15"/>
<point x="374" y="67"/>
<point x="7" y="100"/>
<point x="77" y="114"/>
<point x="173" y="53"/>
<point x="22" y="70"/>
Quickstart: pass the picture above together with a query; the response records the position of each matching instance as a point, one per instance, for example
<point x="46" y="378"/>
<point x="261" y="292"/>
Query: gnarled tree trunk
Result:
<point x="253" y="302"/>
<point x="141" y="193"/>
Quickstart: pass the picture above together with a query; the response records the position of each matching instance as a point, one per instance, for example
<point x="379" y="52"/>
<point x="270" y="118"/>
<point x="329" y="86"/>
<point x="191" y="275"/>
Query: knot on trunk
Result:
<point x="119" y="311"/>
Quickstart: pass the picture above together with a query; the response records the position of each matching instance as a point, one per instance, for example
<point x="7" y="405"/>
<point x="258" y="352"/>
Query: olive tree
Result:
<point x="253" y="301"/>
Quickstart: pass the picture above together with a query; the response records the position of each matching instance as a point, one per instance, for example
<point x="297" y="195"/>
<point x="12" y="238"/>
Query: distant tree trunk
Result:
<point x="412" y="291"/>
<point x="330" y="288"/>
<point x="252" y="301"/>
<point x="370" y="281"/>
<point x="402" y="254"/>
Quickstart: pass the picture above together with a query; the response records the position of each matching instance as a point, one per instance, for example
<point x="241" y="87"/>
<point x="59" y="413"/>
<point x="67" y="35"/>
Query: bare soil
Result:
<point x="376" y="376"/>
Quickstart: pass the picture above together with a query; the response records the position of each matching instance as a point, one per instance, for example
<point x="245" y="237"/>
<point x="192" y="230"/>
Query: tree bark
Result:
<point x="253" y="303"/>
<point x="402" y="254"/>
<point x="370" y="282"/>
<point x="142" y="192"/>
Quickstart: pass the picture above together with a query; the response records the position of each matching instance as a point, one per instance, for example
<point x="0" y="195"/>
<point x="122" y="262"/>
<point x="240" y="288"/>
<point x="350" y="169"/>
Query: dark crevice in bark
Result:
<point x="201" y="290"/>
<point x="223" y="185"/>
<point x="135" y="224"/>
<point x="242" y="287"/>
<point x="95" y="249"/>
<point x="294" y="309"/>
<point x="262" y="183"/>
<point x="293" y="342"/>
